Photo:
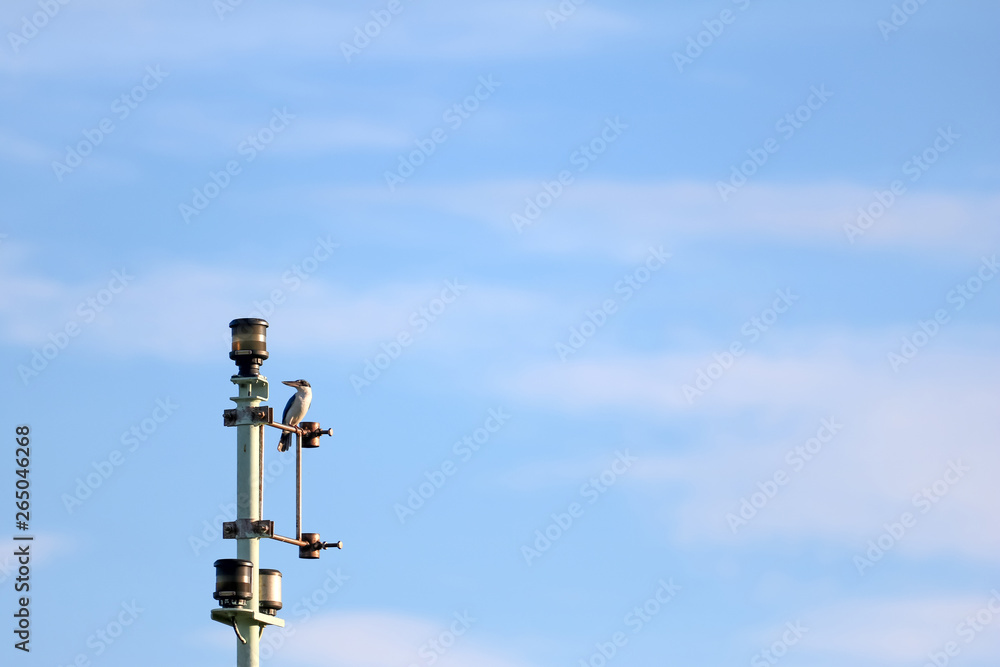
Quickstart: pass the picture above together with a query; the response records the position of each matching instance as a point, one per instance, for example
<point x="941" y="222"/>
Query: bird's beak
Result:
<point x="291" y="383"/>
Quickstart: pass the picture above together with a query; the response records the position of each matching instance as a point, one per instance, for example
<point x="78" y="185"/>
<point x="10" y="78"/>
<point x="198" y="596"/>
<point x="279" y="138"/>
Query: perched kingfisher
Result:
<point x="295" y="410"/>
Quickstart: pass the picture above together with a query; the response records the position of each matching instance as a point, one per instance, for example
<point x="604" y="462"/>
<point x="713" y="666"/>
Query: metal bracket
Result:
<point x="256" y="387"/>
<point x="247" y="529"/>
<point x="227" y="616"/>
<point x="262" y="414"/>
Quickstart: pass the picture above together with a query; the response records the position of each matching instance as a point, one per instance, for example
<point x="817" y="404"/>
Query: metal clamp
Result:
<point x="247" y="529"/>
<point x="262" y="414"/>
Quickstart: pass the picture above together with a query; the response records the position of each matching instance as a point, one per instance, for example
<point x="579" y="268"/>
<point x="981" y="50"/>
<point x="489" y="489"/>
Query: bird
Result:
<point x="295" y="410"/>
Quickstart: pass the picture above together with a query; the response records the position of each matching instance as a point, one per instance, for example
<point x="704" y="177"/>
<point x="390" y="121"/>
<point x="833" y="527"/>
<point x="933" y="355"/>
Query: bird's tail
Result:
<point x="286" y="441"/>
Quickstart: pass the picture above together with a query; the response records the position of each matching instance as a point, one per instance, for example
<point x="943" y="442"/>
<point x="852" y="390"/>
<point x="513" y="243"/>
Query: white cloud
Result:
<point x="900" y="434"/>
<point x="313" y="135"/>
<point x="216" y="132"/>
<point x="618" y="218"/>
<point x="18" y="149"/>
<point x="513" y="29"/>
<point x="383" y="639"/>
<point x="183" y="308"/>
<point x="654" y="383"/>
<point x="93" y="36"/>
<point x="902" y="630"/>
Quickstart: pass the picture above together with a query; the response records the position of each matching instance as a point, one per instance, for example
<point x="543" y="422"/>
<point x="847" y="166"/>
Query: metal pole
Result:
<point x="298" y="486"/>
<point x="260" y="479"/>
<point x="248" y="504"/>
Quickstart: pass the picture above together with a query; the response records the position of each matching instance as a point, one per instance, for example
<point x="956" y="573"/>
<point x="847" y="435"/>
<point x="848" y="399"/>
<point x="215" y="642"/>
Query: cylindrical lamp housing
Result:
<point x="270" y="591"/>
<point x="249" y="348"/>
<point x="233" y="582"/>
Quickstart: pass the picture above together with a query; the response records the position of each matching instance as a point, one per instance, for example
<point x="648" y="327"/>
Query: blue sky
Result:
<point x="724" y="271"/>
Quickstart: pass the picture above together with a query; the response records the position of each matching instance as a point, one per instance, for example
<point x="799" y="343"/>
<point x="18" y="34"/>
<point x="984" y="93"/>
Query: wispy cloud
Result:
<point x="93" y="36"/>
<point x="20" y="149"/>
<point x="900" y="630"/>
<point x="619" y="218"/>
<point x="160" y="301"/>
<point x="384" y="639"/>
<point x="899" y="436"/>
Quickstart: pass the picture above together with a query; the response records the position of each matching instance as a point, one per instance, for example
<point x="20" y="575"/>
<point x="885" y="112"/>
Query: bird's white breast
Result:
<point x="305" y="396"/>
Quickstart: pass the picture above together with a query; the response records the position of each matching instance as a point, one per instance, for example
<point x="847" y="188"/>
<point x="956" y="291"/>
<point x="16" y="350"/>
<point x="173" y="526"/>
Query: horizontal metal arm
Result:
<point x="285" y="427"/>
<point x="300" y="431"/>
<point x="289" y="540"/>
<point x="302" y="543"/>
